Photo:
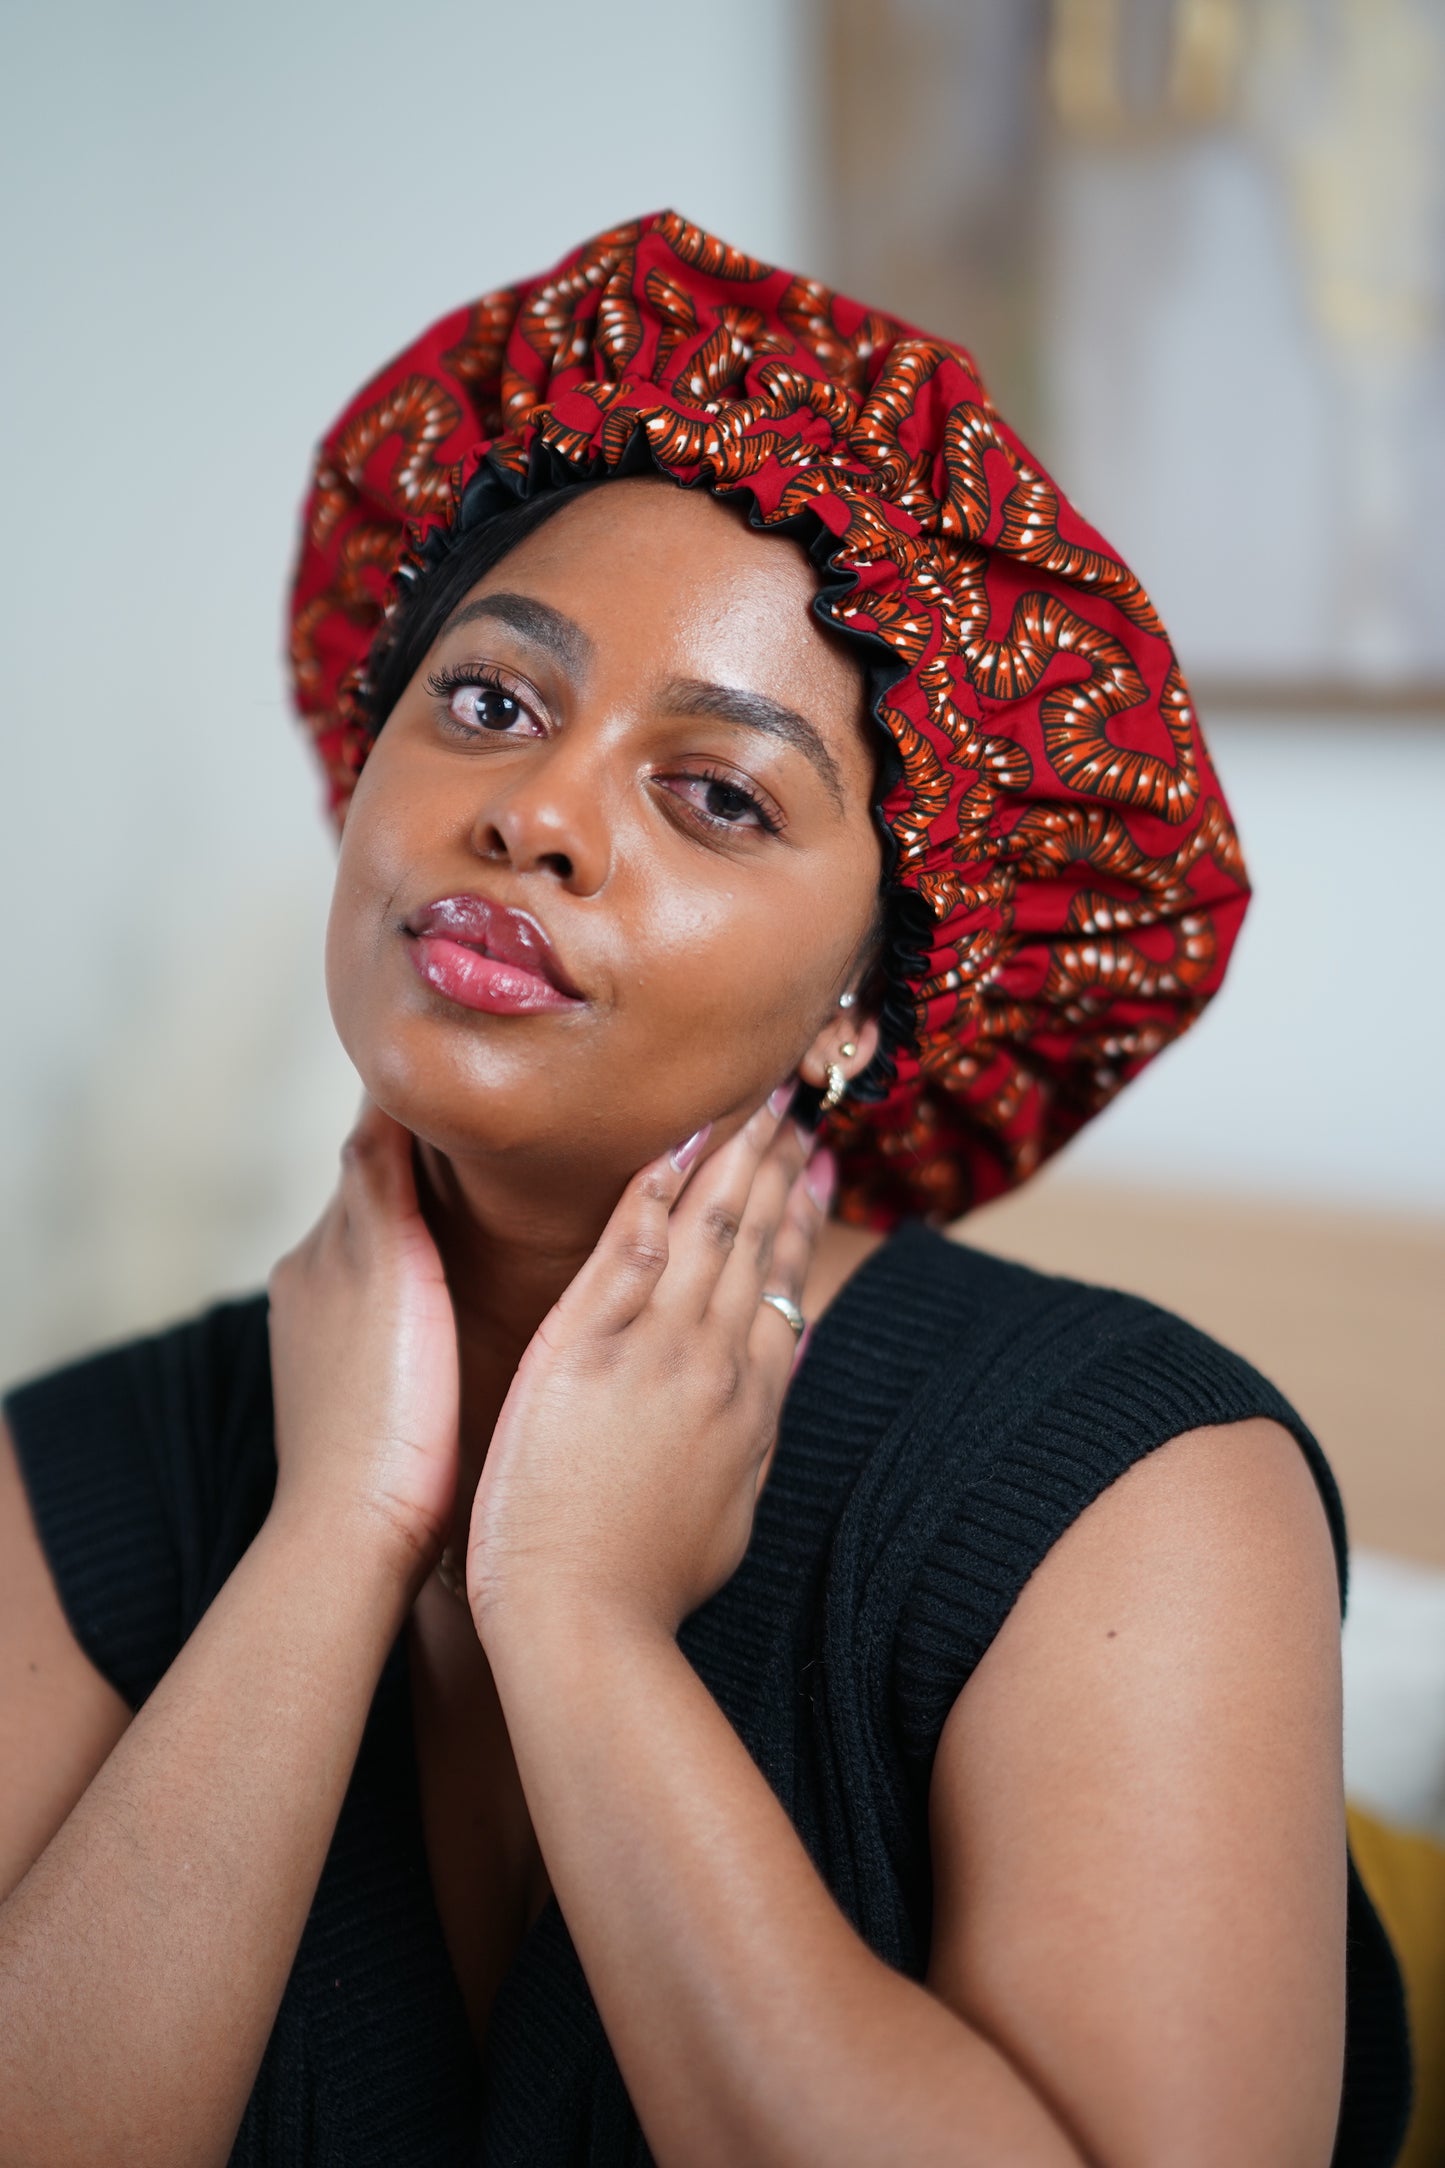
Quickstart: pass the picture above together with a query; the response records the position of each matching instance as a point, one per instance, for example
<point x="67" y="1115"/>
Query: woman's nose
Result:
<point x="550" y="820"/>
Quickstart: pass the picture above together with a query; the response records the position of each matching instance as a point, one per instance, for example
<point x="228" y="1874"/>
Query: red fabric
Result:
<point x="1057" y="812"/>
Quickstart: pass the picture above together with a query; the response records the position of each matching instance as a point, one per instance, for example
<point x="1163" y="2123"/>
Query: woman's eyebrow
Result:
<point x="755" y="711"/>
<point x="535" y="621"/>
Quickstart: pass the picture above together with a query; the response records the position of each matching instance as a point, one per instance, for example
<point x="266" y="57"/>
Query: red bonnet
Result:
<point x="1066" y="881"/>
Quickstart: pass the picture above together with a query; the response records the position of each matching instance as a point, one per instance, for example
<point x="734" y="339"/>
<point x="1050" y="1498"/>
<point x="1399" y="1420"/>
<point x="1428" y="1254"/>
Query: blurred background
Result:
<point x="1196" y="246"/>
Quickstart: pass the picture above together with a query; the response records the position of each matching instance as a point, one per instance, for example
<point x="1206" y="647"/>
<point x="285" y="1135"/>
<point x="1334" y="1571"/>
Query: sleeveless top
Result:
<point x="953" y="1415"/>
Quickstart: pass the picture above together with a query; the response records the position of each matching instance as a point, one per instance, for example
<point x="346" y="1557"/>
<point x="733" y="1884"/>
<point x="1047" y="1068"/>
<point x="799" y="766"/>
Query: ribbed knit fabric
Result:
<point x="953" y="1416"/>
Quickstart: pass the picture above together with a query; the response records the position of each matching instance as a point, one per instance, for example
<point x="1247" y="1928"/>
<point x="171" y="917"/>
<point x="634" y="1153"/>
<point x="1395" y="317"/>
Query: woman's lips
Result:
<point x="485" y="956"/>
<point x="481" y="982"/>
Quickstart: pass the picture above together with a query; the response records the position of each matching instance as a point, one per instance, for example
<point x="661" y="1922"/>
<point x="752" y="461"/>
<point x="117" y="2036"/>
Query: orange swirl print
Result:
<point x="716" y="259"/>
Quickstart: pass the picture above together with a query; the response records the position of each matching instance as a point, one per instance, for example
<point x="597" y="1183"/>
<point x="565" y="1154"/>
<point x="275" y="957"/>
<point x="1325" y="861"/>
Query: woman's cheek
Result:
<point x="743" y="1008"/>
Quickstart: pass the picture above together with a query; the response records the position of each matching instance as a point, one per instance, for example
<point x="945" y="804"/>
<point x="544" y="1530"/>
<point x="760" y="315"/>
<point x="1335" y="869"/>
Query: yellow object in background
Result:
<point x="1405" y="1876"/>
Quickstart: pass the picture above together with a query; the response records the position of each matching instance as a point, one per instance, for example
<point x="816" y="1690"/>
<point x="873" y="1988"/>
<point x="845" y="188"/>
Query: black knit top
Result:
<point x="952" y="1417"/>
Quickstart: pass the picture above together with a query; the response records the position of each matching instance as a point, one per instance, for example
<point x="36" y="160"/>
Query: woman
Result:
<point x="541" y="1754"/>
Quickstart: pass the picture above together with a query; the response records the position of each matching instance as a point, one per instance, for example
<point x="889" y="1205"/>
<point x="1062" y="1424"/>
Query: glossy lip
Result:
<point x="504" y="935"/>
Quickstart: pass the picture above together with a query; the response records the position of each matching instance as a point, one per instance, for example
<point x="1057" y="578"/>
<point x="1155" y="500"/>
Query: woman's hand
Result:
<point x="364" y="1355"/>
<point x="630" y="1451"/>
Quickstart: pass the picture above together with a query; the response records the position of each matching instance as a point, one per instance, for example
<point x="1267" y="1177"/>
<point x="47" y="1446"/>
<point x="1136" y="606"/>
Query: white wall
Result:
<point x="221" y="220"/>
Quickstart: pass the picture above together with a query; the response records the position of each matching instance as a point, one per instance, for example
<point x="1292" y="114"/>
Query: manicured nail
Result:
<point x="819" y="1180"/>
<point x="683" y="1155"/>
<point x="780" y="1100"/>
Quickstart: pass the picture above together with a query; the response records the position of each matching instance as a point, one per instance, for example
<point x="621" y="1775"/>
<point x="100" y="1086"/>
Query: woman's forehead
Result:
<point x="670" y="582"/>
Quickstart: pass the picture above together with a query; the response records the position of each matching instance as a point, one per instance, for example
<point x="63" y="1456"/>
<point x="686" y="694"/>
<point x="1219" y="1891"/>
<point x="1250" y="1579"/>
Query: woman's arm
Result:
<point x="58" y="1717"/>
<point x="1139" y="1945"/>
<point x="144" y="1954"/>
<point x="749" y="2021"/>
<point x="1138" y="1816"/>
<point x="1138" y="1845"/>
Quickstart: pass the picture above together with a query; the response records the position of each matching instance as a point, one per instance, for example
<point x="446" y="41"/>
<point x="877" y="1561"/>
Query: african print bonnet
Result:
<point x="1065" y="882"/>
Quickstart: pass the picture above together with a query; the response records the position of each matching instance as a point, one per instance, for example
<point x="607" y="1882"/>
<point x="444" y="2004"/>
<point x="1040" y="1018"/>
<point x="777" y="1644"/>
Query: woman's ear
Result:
<point x="847" y="1041"/>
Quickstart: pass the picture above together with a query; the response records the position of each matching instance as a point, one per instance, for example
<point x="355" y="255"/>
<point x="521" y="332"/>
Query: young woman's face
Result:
<point x="611" y="861"/>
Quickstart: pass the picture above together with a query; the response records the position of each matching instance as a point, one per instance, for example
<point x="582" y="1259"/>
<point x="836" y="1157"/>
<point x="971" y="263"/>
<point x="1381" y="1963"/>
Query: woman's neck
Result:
<point x="510" y="1251"/>
<point x="508" y="1255"/>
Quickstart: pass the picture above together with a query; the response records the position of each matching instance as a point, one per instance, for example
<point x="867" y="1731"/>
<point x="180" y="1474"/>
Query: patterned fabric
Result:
<point x="1066" y="882"/>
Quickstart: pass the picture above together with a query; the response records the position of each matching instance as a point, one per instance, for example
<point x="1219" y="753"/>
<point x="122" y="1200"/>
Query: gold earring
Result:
<point x="837" y="1086"/>
<point x="846" y="1052"/>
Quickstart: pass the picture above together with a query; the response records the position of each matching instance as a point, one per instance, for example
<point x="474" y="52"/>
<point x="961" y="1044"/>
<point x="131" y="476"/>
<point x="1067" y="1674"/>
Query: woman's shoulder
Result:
<point x="218" y="1341"/>
<point x="1020" y="1397"/>
<point x="931" y="1306"/>
<point x="195" y="1393"/>
<point x="148" y="1465"/>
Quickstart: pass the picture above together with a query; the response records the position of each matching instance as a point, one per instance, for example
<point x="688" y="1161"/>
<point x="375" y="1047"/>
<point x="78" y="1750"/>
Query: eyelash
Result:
<point x="769" y="824"/>
<point x="457" y="677"/>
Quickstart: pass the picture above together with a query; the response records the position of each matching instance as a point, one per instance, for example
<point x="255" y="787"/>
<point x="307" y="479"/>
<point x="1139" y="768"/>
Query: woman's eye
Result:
<point x="478" y="703"/>
<point x="725" y="804"/>
<point x="486" y="707"/>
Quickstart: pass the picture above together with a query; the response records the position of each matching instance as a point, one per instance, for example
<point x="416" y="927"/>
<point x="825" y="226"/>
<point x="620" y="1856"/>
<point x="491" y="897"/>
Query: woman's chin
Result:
<point x="512" y="1121"/>
<point x="554" y="1118"/>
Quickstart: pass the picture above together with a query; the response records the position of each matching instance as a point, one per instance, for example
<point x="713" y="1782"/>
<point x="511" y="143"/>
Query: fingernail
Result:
<point x="819" y="1180"/>
<point x="683" y="1155"/>
<point x="780" y="1100"/>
